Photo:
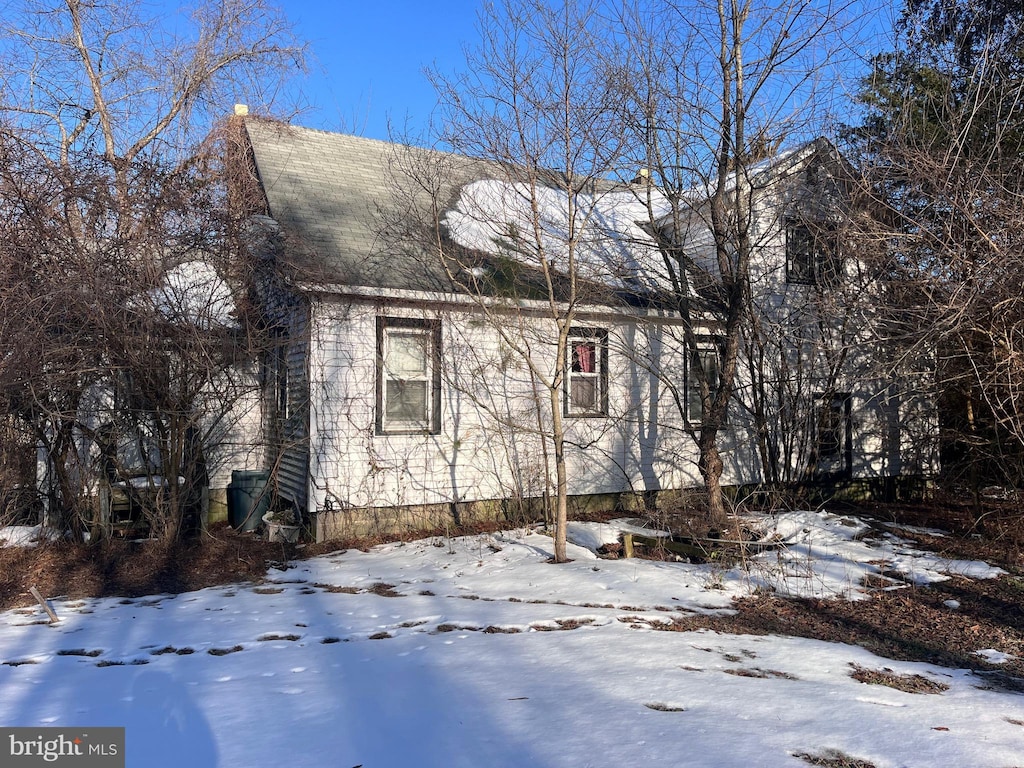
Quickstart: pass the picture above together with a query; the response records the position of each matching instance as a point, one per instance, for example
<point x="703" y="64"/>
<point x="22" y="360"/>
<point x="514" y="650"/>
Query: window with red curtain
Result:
<point x="586" y="376"/>
<point x="583" y="354"/>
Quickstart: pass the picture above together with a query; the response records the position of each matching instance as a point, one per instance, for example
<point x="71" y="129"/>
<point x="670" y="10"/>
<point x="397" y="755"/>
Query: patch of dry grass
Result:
<point x="333" y="588"/>
<point x="833" y="758"/>
<point x="224" y="651"/>
<point x="760" y="673"/>
<point x="890" y="679"/>
<point x="659" y="707"/>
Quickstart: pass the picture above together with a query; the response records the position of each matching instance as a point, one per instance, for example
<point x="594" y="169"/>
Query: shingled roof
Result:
<point x="363" y="213"/>
<point x="347" y="205"/>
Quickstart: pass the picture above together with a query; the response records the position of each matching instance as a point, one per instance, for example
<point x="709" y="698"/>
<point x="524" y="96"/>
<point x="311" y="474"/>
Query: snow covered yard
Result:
<point x="476" y="652"/>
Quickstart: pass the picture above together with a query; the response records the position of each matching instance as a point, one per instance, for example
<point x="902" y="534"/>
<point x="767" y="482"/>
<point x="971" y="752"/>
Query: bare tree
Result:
<point x="534" y="103"/>
<point x="712" y="91"/>
<point x="116" y="196"/>
<point x="943" y="149"/>
<point x="36" y="303"/>
<point x="572" y="103"/>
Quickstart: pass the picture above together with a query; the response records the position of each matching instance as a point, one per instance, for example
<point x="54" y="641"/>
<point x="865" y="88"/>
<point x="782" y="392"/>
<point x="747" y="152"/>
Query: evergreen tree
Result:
<point x="943" y="146"/>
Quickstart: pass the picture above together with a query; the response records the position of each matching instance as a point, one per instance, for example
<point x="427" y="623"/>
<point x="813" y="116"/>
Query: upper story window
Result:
<point x="586" y="374"/>
<point x="408" y="376"/>
<point x="703" y="362"/>
<point x="812" y="253"/>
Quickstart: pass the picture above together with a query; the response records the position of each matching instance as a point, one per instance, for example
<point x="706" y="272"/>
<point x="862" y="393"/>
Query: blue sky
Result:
<point x="368" y="59"/>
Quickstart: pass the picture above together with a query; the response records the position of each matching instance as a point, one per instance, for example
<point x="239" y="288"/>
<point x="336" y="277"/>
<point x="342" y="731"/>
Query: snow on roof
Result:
<point x="600" y="231"/>
<point x="336" y="199"/>
<point x="763" y="171"/>
<point x="194" y="293"/>
<point x="526" y="221"/>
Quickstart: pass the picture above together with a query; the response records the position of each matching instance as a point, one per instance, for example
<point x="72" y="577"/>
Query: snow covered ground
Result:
<point x="479" y="653"/>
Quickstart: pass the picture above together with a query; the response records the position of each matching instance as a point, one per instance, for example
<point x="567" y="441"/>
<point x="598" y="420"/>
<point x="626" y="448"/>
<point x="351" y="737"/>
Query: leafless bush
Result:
<point x="124" y="324"/>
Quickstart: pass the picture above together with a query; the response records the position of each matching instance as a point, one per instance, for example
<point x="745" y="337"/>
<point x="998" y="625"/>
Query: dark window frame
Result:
<point x="812" y="253"/>
<point x="282" y="383"/>
<point x="833" y="441"/>
<point x="599" y="337"/>
<point x="692" y="386"/>
<point x="432" y="328"/>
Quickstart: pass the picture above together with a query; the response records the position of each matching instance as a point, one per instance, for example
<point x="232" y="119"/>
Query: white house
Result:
<point x="414" y="330"/>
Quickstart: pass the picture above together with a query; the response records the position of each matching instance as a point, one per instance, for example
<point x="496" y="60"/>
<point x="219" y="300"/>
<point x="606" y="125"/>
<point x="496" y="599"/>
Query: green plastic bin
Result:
<point x="248" y="499"/>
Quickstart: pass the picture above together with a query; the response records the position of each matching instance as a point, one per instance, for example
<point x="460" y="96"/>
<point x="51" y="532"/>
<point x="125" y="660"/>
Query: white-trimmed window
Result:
<point x="586" y="372"/>
<point x="703" y="361"/>
<point x="408" y="376"/>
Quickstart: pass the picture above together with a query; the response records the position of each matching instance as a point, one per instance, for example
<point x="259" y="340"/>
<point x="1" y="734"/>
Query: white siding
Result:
<point x="235" y="430"/>
<point x="813" y="340"/>
<point x="489" y="446"/>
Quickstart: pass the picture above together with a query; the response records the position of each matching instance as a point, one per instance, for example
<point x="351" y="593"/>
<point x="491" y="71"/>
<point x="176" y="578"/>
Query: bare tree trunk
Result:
<point x="710" y="466"/>
<point x="561" y="478"/>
